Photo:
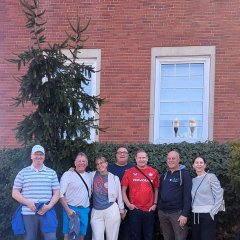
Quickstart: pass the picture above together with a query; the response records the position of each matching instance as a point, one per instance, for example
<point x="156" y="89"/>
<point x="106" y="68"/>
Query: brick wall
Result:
<point x="125" y="31"/>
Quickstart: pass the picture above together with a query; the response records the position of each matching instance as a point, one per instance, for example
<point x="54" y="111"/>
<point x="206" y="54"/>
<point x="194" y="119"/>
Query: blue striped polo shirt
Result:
<point x="36" y="185"/>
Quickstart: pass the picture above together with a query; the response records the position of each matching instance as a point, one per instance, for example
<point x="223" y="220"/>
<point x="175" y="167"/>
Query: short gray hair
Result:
<point x="81" y="154"/>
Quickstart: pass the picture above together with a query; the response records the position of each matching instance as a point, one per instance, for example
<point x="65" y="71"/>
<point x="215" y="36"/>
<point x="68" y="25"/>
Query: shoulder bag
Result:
<point x="145" y="177"/>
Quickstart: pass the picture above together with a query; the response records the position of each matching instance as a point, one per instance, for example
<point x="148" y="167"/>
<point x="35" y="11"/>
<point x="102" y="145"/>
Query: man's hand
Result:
<point x="43" y="210"/>
<point x="70" y="213"/>
<point x="131" y="206"/>
<point x="152" y="208"/>
<point x="32" y="206"/>
<point x="16" y="194"/>
<point x="182" y="221"/>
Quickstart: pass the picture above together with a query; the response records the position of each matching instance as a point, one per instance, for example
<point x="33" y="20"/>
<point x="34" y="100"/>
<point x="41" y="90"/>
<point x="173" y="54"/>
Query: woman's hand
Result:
<point x="123" y="215"/>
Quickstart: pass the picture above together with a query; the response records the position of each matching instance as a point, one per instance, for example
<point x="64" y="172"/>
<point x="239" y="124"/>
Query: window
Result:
<point x="182" y="94"/>
<point x="91" y="57"/>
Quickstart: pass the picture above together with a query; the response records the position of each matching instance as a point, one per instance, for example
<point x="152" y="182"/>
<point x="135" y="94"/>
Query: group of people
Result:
<point x="125" y="198"/>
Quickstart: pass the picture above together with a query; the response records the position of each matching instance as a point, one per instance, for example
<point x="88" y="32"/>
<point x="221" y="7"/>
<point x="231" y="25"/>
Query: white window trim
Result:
<point x="91" y="57"/>
<point x="192" y="52"/>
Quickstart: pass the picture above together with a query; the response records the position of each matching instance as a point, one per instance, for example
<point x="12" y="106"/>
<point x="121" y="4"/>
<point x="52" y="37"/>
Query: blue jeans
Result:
<point x="141" y="224"/>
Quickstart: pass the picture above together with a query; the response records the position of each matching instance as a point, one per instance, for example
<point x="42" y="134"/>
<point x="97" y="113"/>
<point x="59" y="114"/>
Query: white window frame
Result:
<point x="91" y="57"/>
<point x="192" y="54"/>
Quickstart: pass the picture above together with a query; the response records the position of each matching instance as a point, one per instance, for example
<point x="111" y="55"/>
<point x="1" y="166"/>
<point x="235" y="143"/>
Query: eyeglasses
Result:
<point x="100" y="163"/>
<point x="124" y="153"/>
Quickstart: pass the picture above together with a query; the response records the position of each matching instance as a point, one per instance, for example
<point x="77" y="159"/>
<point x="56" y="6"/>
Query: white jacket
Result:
<point x="114" y="190"/>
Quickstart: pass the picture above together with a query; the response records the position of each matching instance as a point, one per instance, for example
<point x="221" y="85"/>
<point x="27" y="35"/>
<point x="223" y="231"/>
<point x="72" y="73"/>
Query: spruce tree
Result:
<point x="55" y="85"/>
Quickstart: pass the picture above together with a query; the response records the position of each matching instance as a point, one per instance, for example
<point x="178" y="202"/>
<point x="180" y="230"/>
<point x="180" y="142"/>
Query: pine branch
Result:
<point x="34" y="22"/>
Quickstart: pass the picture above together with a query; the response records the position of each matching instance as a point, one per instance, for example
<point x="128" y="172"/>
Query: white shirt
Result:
<point x="74" y="190"/>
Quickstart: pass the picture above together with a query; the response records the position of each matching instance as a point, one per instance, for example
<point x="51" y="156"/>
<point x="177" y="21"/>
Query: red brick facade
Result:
<point x="125" y="31"/>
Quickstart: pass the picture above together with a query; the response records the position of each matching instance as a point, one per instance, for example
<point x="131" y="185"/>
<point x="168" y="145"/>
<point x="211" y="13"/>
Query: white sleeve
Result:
<point x="119" y="194"/>
<point x="217" y="192"/>
<point x="63" y="184"/>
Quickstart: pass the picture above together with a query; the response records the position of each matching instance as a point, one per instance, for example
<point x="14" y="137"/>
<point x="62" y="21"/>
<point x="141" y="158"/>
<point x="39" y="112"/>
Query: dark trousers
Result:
<point x="141" y="224"/>
<point x="203" y="226"/>
<point x="124" y="231"/>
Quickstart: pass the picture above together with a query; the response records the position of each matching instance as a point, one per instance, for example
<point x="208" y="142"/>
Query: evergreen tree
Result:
<point x="55" y="85"/>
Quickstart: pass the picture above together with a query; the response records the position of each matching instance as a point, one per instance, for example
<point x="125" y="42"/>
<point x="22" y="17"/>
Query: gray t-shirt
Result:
<point x="100" y="192"/>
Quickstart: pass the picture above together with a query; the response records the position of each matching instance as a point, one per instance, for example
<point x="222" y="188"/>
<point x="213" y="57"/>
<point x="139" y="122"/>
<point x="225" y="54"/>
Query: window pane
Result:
<point x="196" y="69"/>
<point x="181" y="108"/>
<point x="196" y="81"/>
<point x="182" y="82"/>
<point x="184" y="94"/>
<point x="182" y="70"/>
<point x="168" y="70"/>
<point x="88" y="88"/>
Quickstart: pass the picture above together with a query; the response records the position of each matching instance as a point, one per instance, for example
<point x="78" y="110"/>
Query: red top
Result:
<point x="140" y="190"/>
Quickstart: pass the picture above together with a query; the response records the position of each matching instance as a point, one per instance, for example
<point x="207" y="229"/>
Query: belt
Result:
<point x="75" y="206"/>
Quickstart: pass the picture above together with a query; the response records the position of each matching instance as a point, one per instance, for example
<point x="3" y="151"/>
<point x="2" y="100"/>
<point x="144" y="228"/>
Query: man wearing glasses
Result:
<point x="118" y="168"/>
